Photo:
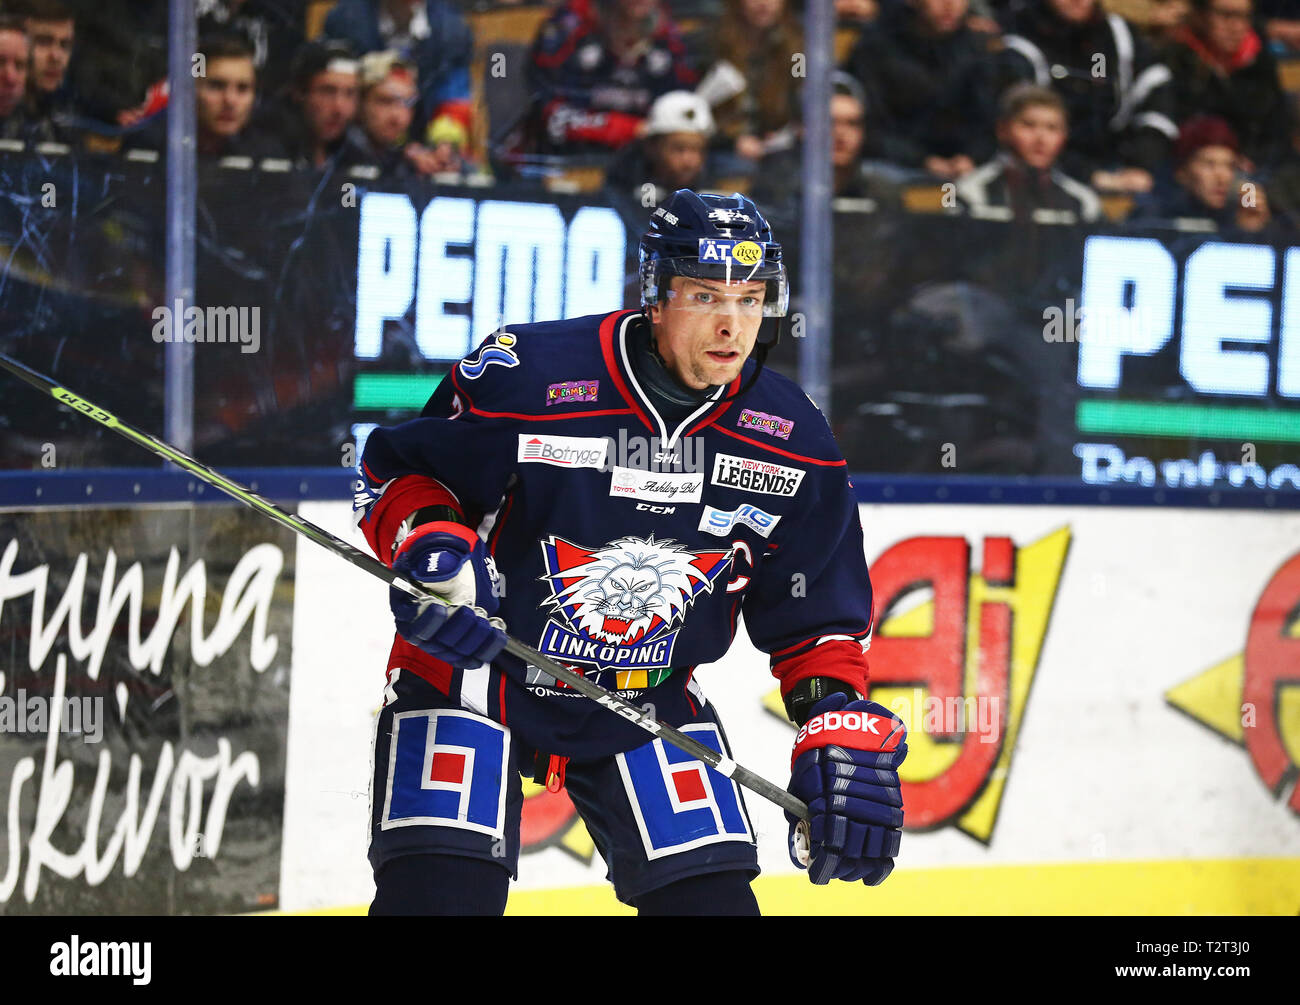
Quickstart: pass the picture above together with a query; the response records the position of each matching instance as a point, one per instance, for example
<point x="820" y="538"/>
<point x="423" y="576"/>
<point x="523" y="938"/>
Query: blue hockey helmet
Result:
<point x="719" y="237"/>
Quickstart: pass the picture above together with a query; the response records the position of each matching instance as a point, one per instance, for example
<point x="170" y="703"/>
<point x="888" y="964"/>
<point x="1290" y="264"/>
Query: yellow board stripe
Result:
<point x="1205" y="886"/>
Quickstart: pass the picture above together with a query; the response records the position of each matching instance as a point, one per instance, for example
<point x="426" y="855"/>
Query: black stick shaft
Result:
<point x="574" y="680"/>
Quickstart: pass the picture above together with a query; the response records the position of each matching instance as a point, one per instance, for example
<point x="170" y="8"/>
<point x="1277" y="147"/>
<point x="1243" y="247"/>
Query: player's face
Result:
<point x="706" y="328"/>
<point x="1036" y="135"/>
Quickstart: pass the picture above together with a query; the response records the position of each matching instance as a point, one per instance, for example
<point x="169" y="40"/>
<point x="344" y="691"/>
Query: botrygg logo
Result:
<point x="563" y="451"/>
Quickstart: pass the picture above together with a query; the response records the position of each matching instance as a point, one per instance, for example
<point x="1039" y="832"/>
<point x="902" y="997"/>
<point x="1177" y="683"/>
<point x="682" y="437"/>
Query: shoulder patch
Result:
<point x="498" y="348"/>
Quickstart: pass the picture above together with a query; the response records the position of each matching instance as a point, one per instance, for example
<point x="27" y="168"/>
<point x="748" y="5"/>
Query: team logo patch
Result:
<point x="570" y="391"/>
<point x="755" y="476"/>
<point x="681" y="803"/>
<point x="744" y="253"/>
<point x="499" y="347"/>
<point x="773" y="425"/>
<point x="656" y="486"/>
<point x="446" y="768"/>
<point x="563" y="451"/>
<point x="620" y="606"/>
<point x="719" y="521"/>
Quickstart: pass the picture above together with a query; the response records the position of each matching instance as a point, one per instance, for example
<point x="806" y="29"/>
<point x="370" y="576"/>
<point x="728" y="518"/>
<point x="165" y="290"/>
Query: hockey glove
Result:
<point x="845" y="767"/>
<point x="451" y="560"/>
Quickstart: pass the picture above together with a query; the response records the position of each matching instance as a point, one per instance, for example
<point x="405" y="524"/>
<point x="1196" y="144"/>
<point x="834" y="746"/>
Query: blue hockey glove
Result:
<point x="845" y="767"/>
<point x="451" y="560"/>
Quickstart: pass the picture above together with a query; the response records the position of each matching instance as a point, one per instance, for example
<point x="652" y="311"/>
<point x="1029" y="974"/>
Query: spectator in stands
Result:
<point x="757" y="43"/>
<point x="776" y="184"/>
<point x="274" y="28"/>
<point x="596" y="67"/>
<point x="1208" y="182"/>
<point x="15" y="122"/>
<point x="928" y="82"/>
<point x="225" y="94"/>
<point x="1023" y="181"/>
<point x="672" y="153"/>
<point x="1222" y="67"/>
<point x="51" y="28"/>
<point x="1119" y="99"/>
<point x="381" y="134"/>
<point x="432" y="35"/>
<point x="312" y="117"/>
<point x="856" y="12"/>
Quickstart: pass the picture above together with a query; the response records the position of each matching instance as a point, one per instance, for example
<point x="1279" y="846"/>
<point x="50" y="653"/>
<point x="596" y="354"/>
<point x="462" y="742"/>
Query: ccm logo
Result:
<point x="630" y="714"/>
<point x="828" y="722"/>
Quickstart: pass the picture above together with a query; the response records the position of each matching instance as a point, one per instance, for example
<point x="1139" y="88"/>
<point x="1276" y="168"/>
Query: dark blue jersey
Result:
<point x="628" y="548"/>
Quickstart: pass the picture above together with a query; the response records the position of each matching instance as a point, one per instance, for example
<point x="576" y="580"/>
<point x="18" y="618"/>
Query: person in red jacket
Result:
<point x="597" y="66"/>
<point x="1222" y="67"/>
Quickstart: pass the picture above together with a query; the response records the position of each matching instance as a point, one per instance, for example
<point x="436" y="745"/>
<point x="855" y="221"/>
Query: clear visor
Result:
<point x="759" y="292"/>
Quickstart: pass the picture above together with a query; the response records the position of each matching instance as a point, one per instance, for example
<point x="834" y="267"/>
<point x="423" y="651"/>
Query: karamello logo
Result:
<point x="75" y="958"/>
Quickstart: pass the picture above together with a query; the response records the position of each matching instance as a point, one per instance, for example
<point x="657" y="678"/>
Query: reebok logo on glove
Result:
<point x="831" y="721"/>
<point x="855" y="730"/>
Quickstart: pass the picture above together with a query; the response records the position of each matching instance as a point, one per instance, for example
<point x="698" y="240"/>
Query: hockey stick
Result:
<point x="579" y="683"/>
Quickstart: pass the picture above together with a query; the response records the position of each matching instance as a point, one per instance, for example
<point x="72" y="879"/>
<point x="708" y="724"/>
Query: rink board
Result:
<point x="1116" y="775"/>
<point x="1118" y="729"/>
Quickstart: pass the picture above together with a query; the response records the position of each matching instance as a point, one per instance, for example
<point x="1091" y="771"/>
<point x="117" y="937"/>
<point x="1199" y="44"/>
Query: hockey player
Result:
<point x="619" y="488"/>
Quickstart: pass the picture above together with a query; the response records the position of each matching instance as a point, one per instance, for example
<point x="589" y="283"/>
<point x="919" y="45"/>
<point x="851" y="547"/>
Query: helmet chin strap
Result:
<point x="761" y="349"/>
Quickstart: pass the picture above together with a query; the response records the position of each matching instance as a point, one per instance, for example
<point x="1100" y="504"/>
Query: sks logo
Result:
<point x="499" y="347"/>
<point x="975" y="641"/>
<point x="619" y="607"/>
<point x="1253" y="698"/>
